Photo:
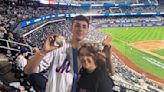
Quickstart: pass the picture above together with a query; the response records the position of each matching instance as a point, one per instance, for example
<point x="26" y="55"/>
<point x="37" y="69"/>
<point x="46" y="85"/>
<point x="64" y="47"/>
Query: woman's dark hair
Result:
<point x="90" y="49"/>
<point x="99" y="57"/>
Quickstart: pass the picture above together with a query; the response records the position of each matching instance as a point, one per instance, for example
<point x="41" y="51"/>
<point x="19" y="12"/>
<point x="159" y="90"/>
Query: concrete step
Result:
<point x="3" y="57"/>
<point x="5" y="65"/>
<point x="5" y="69"/>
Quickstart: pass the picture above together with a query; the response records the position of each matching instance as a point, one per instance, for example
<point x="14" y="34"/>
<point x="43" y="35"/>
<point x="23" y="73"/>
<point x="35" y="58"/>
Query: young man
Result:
<point x="61" y="61"/>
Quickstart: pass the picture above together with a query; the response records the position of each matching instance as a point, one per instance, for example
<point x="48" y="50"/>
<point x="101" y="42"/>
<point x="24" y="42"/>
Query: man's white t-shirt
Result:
<point x="21" y="62"/>
<point x="60" y="63"/>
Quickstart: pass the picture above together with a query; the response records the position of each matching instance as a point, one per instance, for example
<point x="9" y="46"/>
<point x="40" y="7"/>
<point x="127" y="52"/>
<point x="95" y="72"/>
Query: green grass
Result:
<point x="160" y="52"/>
<point x="123" y="36"/>
<point x="135" y="34"/>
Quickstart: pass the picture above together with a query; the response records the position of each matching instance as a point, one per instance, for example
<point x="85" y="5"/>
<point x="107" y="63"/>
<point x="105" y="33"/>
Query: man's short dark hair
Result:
<point x="81" y="18"/>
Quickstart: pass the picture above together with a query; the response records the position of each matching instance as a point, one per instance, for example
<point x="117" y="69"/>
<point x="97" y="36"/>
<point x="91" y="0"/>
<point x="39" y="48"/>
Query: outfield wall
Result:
<point x="130" y="25"/>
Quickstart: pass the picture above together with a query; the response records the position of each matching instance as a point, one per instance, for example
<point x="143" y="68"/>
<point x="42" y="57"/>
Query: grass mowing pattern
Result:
<point x="123" y="36"/>
<point x="160" y="52"/>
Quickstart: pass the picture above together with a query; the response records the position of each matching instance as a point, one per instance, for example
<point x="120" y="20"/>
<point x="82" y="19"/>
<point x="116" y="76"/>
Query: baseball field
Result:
<point x="144" y="46"/>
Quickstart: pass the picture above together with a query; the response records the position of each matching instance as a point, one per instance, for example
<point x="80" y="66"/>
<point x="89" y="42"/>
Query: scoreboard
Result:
<point x="47" y="1"/>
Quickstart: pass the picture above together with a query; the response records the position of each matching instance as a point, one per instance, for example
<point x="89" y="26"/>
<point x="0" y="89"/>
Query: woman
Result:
<point x="93" y="75"/>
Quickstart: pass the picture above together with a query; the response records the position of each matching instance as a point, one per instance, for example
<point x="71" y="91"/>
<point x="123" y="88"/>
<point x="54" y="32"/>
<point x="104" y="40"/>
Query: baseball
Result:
<point x="59" y="41"/>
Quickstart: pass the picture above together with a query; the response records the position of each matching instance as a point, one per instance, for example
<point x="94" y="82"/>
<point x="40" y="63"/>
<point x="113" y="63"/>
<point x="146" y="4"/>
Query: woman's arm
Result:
<point x="109" y="64"/>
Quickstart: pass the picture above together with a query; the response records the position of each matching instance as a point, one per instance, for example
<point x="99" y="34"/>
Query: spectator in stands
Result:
<point x="21" y="61"/>
<point x="2" y="32"/>
<point x="61" y="60"/>
<point x="10" y="36"/>
<point x="93" y="74"/>
<point x="3" y="35"/>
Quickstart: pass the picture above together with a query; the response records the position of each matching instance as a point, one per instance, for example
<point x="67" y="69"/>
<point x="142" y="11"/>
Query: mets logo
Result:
<point x="64" y="67"/>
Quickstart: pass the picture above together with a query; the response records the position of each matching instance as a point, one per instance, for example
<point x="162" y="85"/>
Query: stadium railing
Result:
<point x="13" y="42"/>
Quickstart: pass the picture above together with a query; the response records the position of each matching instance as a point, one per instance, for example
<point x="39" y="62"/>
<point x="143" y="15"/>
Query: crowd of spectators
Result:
<point x="38" y="37"/>
<point x="132" y="79"/>
<point x="12" y="15"/>
<point x="133" y="9"/>
<point x="109" y="1"/>
<point x="128" y="20"/>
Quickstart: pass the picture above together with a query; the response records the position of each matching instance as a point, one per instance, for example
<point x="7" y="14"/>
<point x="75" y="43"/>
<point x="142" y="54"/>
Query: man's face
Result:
<point x="79" y="29"/>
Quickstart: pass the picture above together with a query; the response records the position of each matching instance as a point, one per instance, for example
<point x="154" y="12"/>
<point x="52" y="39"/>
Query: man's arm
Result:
<point x="34" y="62"/>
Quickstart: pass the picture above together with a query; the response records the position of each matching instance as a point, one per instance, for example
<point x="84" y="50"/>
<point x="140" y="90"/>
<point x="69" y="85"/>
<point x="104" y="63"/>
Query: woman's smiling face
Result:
<point x="87" y="59"/>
